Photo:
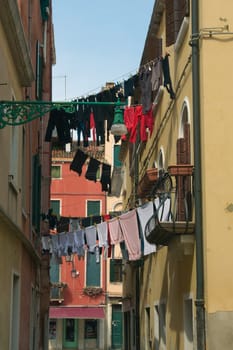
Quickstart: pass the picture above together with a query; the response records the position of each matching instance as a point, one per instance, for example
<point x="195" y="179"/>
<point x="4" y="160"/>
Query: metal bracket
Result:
<point x="22" y="112"/>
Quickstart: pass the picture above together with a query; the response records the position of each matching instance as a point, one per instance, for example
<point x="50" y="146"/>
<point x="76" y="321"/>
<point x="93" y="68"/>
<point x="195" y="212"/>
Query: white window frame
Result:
<point x="160" y="324"/>
<point x="188" y="345"/>
<point x="57" y="166"/>
<point x="15" y="311"/>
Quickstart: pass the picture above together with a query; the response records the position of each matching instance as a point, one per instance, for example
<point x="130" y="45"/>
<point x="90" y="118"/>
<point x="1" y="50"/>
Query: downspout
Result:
<point x="200" y="304"/>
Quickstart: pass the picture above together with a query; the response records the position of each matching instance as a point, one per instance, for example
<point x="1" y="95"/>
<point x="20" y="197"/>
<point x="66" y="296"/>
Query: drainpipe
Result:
<point x="200" y="304"/>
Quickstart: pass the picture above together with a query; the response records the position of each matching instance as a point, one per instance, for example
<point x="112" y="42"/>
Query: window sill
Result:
<point x="12" y="184"/>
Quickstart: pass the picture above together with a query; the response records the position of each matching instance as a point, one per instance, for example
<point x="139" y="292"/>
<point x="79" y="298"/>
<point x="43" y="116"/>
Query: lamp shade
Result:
<point x="118" y="126"/>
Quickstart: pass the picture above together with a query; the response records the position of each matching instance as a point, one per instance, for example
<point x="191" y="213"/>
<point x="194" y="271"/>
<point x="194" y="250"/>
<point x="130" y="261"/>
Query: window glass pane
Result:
<point x="69" y="330"/>
<point x="56" y="172"/>
<point x="116" y="270"/>
<point x="90" y="329"/>
<point x="52" y="329"/>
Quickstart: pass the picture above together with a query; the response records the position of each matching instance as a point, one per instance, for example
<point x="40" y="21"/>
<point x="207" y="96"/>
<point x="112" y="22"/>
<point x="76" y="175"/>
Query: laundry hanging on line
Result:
<point x="126" y="229"/>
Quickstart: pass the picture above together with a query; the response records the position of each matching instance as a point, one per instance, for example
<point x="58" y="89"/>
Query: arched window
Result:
<point x="161" y="160"/>
<point x="183" y="143"/>
<point x="183" y="155"/>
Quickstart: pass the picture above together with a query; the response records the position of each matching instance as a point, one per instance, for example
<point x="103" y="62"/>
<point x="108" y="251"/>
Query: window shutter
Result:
<point x="55" y="206"/>
<point x="36" y="192"/>
<point x="117" y="162"/>
<point x="44" y="5"/>
<point x="181" y="9"/>
<point x="112" y="274"/>
<point x="39" y="72"/>
<point x="170" y="25"/>
<point x="56" y="172"/>
<point x="93" y="271"/>
<point x="176" y="10"/>
<point x="93" y="208"/>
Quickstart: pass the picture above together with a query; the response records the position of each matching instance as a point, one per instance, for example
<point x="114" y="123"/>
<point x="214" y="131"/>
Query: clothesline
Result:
<point x="126" y="229"/>
<point x="116" y="81"/>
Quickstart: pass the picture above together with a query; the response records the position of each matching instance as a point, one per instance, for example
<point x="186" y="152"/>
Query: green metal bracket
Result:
<point x="22" y="112"/>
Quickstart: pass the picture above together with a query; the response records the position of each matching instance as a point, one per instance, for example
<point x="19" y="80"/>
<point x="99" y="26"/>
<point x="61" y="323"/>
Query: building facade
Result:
<point x="78" y="280"/>
<point x="84" y="291"/>
<point x="181" y="295"/>
<point x="25" y="173"/>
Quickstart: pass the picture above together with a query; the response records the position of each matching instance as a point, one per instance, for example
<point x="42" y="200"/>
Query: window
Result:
<point x="34" y="309"/>
<point x="93" y="208"/>
<point x="56" y="171"/>
<point x="176" y="10"/>
<point x="92" y="271"/>
<point x="14" y="156"/>
<point x="55" y="206"/>
<point x="183" y="154"/>
<point x="147" y="328"/>
<point x="188" y="324"/>
<point x="36" y="192"/>
<point x="70" y="335"/>
<point x="90" y="329"/>
<point x="52" y="329"/>
<point x="23" y="169"/>
<point x="54" y="274"/>
<point x="44" y="5"/>
<point x="15" y="313"/>
<point x="115" y="270"/>
<point x="160" y="326"/>
<point x="161" y="160"/>
<point x="39" y="72"/>
<point x="116" y="152"/>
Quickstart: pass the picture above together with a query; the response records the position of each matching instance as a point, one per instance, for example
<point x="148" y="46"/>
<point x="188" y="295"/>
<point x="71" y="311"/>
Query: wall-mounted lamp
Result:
<point x="118" y="126"/>
<point x="74" y="273"/>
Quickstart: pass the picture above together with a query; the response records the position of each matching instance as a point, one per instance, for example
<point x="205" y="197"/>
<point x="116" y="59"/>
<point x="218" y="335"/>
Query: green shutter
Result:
<point x="93" y="208"/>
<point x="43" y="5"/>
<point x="55" y="206"/>
<point x="56" y="171"/>
<point x="36" y="192"/>
<point x="112" y="271"/>
<point x="39" y="72"/>
<point x="93" y="271"/>
<point x="117" y="162"/>
<point x="115" y="270"/>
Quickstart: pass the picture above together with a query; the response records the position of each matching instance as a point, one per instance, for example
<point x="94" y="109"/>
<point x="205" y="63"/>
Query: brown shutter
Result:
<point x="170" y="25"/>
<point x="176" y="10"/>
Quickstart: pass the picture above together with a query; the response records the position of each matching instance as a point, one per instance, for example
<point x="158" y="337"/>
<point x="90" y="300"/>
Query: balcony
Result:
<point x="147" y="183"/>
<point x="56" y="292"/>
<point x="173" y="205"/>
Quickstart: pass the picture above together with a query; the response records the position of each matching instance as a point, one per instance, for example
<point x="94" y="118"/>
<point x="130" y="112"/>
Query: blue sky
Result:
<point x="97" y="42"/>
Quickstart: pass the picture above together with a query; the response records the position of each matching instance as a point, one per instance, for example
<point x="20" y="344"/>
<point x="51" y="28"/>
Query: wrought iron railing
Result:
<point x="172" y="195"/>
<point x="57" y="292"/>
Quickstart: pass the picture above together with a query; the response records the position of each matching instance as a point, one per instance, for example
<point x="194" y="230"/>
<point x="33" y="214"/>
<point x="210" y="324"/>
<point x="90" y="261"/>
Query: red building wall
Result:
<point x="73" y="191"/>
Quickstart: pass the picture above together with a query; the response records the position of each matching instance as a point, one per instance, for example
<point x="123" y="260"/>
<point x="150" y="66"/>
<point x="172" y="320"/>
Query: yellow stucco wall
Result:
<point x="217" y="143"/>
<point x="10" y="264"/>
